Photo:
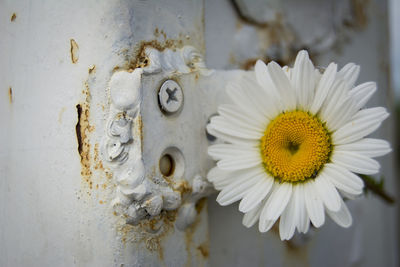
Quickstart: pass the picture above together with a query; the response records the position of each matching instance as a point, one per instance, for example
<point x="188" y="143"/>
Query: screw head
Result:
<point x="170" y="96"/>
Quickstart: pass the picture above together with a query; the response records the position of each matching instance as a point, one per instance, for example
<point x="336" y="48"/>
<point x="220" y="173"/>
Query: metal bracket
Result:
<point x="156" y="142"/>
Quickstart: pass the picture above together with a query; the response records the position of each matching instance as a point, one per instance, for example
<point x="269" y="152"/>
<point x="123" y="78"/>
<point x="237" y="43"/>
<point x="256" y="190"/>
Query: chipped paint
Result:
<point x="92" y="69"/>
<point x="13" y="17"/>
<point x="10" y="95"/>
<point x="74" y="50"/>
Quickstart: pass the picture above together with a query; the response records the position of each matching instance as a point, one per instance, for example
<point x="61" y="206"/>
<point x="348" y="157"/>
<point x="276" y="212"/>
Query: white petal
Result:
<point x="337" y="99"/>
<point x="314" y="205"/>
<point x="344" y="179"/>
<point x="288" y="71"/>
<point x="342" y="217"/>
<point x="223" y="151"/>
<point x="220" y="178"/>
<point x="265" y="225"/>
<point x="288" y="220"/>
<point x="257" y="193"/>
<point x="242" y="100"/>
<point x="222" y="125"/>
<point x="303" y="221"/>
<point x="327" y="192"/>
<point x="282" y="83"/>
<point x="229" y="138"/>
<point x="317" y="77"/>
<point x="215" y="173"/>
<point x="234" y="164"/>
<point x="363" y="123"/>
<point x="302" y="79"/>
<point x="233" y="114"/>
<point x="238" y="188"/>
<point x="323" y="88"/>
<point x="277" y="202"/>
<point x="341" y="114"/>
<point x="264" y="80"/>
<point x="263" y="102"/>
<point x="362" y="93"/>
<point x="348" y="196"/>
<point x="355" y="162"/>
<point x="251" y="217"/>
<point x="368" y="147"/>
<point x="349" y="73"/>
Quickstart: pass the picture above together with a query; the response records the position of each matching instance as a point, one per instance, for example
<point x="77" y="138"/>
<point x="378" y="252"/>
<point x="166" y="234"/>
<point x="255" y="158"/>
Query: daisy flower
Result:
<point x="294" y="142"/>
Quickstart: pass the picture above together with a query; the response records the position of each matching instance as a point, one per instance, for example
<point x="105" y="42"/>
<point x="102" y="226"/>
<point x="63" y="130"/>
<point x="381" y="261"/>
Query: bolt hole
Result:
<point x="167" y="165"/>
<point x="172" y="163"/>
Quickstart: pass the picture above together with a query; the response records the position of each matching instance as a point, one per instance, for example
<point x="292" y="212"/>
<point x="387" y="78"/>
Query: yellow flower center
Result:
<point x="295" y="146"/>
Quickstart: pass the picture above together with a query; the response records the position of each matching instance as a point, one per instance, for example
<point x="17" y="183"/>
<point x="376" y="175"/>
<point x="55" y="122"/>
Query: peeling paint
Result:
<point x="74" y="50"/>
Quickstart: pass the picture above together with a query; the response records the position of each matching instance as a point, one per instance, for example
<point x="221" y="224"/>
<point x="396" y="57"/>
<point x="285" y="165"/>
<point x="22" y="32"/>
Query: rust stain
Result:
<point x="296" y="255"/>
<point x="248" y="64"/>
<point x="201" y="204"/>
<point x="98" y="164"/>
<point x="157" y="33"/>
<point x="74" y="51"/>
<point x="13" y="17"/>
<point x="140" y="126"/>
<point x="204" y="249"/>
<point x="60" y="114"/>
<point x="151" y="232"/>
<point x="83" y="129"/>
<point x="184" y="187"/>
<point x="360" y="17"/>
<point x="140" y="60"/>
<point x="10" y="95"/>
<point x="189" y="240"/>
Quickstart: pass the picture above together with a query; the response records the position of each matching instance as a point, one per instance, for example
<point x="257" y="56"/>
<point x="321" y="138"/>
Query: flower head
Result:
<point x="294" y="142"/>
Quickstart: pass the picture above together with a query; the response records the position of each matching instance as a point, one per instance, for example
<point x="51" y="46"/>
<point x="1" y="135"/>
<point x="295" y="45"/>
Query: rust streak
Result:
<point x="13" y="17"/>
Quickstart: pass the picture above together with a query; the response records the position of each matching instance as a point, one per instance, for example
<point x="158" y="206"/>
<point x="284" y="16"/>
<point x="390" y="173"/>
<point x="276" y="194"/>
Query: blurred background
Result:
<point x="365" y="32"/>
